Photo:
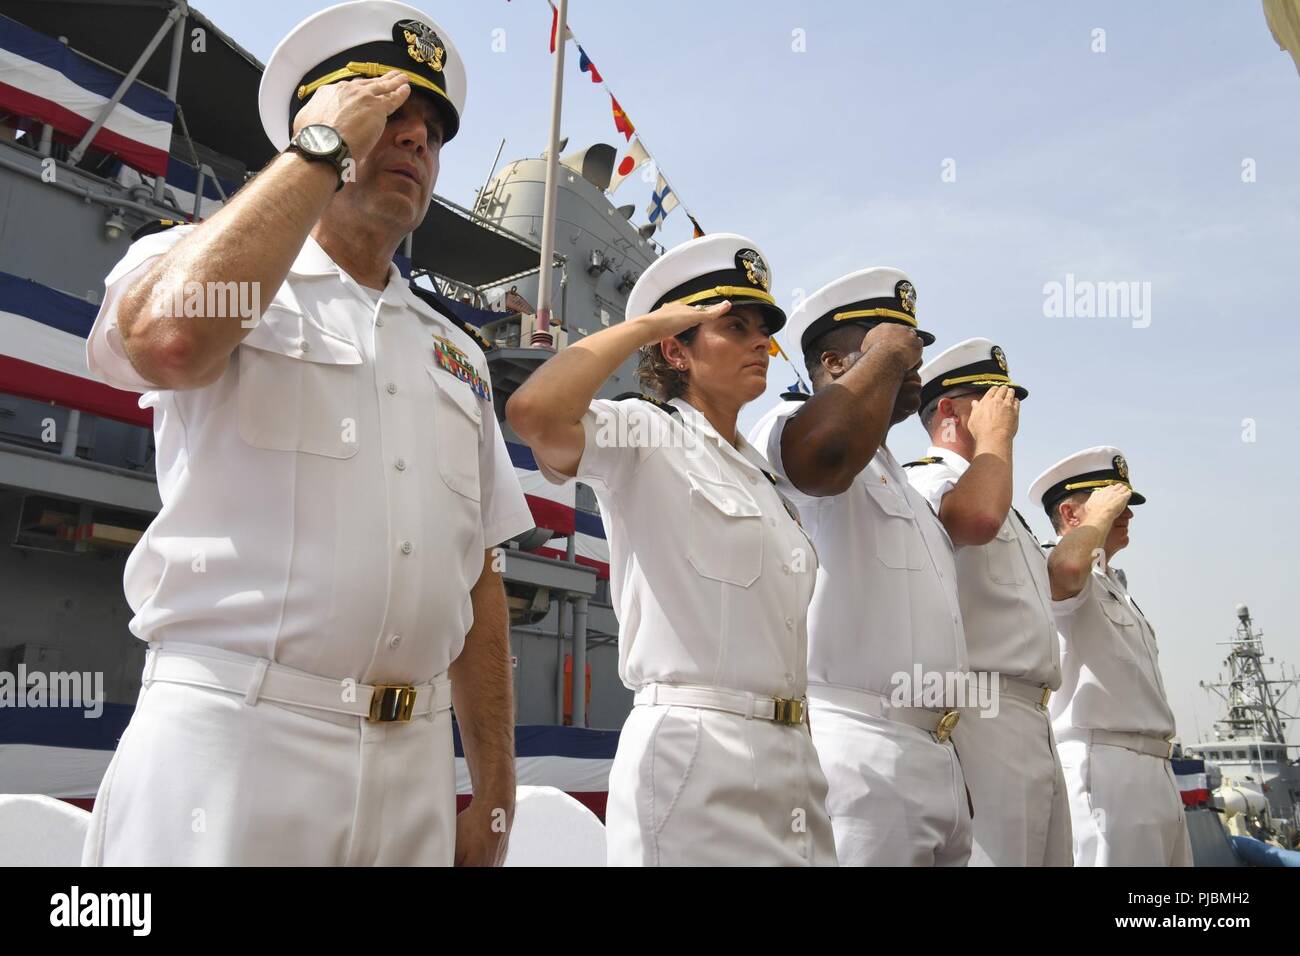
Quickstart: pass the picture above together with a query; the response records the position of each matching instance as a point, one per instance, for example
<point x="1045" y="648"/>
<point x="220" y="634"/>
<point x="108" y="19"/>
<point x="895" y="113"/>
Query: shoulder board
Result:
<point x="468" y="328"/>
<point x="670" y="409"/>
<point x="929" y="460"/>
<point x="1026" y="524"/>
<point x="795" y="396"/>
<point x="156" y="225"/>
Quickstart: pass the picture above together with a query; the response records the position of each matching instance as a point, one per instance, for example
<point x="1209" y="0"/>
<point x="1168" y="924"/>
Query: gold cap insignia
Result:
<point x="422" y="44"/>
<point x="756" y="271"/>
<point x="1121" y="467"/>
<point x="905" y="292"/>
<point x="1000" y="357"/>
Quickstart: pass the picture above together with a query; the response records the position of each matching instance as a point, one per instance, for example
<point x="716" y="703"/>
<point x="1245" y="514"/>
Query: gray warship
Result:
<point x="1259" y="792"/>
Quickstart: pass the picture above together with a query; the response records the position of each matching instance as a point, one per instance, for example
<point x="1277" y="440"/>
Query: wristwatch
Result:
<point x="322" y="143"/>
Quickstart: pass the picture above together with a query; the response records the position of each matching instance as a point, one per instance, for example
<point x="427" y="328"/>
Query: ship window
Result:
<point x="1241" y="755"/>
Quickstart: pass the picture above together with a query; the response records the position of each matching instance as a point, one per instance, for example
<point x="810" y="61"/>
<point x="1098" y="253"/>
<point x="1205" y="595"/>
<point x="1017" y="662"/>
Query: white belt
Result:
<point x="780" y="710"/>
<point x="1028" y="691"/>
<point x="257" y="678"/>
<point x="1148" y="744"/>
<point x="940" y="723"/>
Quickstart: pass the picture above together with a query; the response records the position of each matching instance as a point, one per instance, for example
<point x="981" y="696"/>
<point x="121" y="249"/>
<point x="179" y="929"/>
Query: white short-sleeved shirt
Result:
<point x="886" y="598"/>
<point x="327" y="501"/>
<point x="710" y="572"/>
<point x="1110" y="666"/>
<point x="1006" y="598"/>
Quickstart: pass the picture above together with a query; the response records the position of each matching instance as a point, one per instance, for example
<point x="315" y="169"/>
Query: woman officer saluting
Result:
<point x="711" y="575"/>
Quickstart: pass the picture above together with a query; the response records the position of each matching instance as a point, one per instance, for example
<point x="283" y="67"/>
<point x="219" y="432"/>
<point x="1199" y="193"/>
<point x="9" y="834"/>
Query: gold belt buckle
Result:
<point x="392" y="702"/>
<point x="1047" y="695"/>
<point x="947" y="724"/>
<point x="787" y="711"/>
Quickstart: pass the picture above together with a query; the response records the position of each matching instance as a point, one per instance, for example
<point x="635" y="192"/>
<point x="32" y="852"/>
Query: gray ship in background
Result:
<point x="77" y="483"/>
<point x="1258" y="791"/>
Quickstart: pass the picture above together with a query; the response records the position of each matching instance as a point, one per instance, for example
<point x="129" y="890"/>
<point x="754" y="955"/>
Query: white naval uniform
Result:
<point x="885" y="603"/>
<point x="1022" y="813"/>
<point x="710" y="577"/>
<point x="326" y="506"/>
<point x="1124" y="805"/>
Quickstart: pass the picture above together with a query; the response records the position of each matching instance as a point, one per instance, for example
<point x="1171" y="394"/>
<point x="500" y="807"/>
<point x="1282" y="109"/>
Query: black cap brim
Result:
<point x="773" y="316"/>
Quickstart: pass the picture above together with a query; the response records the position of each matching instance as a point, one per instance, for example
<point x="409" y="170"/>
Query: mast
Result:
<point x="542" y="336"/>
<point x="1251" y="696"/>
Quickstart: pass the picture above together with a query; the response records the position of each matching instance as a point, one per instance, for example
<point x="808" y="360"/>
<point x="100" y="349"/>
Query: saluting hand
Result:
<point x="995" y="415"/>
<point x="675" y="318"/>
<point x="1109" y="501"/>
<point x="898" y="341"/>
<point x="358" y="109"/>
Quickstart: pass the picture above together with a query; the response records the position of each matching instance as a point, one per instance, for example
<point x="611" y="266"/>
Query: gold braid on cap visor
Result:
<point x="985" y="377"/>
<point x="354" y="69"/>
<point x="875" y="314"/>
<point x="727" y="291"/>
<point x="1099" y="483"/>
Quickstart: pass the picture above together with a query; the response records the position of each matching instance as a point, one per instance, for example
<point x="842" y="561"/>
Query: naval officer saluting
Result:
<point x="332" y="480"/>
<point x="886" y="602"/>
<point x="711" y="572"/>
<point x="1112" y="720"/>
<point x="971" y="408"/>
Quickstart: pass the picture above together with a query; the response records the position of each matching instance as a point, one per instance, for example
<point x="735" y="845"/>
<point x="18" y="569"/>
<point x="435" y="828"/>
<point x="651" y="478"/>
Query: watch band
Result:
<point x="336" y="158"/>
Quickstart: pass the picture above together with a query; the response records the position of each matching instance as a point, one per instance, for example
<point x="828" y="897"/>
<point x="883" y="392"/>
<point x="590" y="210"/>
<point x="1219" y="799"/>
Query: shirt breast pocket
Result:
<point x="898" y="540"/>
<point x="458" y="430"/>
<point x="298" y="387"/>
<point x="1005" y="560"/>
<point x="1126" y="630"/>
<point x="724" y="532"/>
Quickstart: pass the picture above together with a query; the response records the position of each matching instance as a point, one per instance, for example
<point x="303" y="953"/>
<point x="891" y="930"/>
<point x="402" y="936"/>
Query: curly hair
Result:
<point x="657" y="375"/>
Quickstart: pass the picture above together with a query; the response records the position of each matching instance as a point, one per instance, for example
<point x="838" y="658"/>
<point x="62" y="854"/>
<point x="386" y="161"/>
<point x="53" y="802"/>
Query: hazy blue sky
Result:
<point x="1116" y="166"/>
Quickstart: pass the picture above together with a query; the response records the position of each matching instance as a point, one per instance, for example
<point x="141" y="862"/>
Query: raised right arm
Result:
<point x="254" y="239"/>
<point x="546" y="411"/>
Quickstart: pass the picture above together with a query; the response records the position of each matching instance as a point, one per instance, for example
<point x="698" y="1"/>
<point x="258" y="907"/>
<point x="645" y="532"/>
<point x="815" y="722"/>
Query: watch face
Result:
<point x="318" y="139"/>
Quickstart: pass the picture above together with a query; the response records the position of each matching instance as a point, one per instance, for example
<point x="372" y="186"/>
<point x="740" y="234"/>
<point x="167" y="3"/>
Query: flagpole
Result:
<point x="542" y="337"/>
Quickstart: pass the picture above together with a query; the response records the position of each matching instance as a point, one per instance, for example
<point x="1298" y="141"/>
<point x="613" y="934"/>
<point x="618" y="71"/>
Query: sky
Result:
<point x="988" y="150"/>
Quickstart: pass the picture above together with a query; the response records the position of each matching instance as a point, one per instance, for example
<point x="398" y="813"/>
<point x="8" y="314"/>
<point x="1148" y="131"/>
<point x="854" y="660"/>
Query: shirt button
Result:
<point x="400" y="464"/>
<point x="785" y="568"/>
<point x="305" y="345"/>
<point x="379" y="321"/>
<point x="395" y="641"/>
<point x="753" y="480"/>
<point x="789" y="678"/>
<point x="789" y="624"/>
<point x="392" y="389"/>
<point x="407" y="547"/>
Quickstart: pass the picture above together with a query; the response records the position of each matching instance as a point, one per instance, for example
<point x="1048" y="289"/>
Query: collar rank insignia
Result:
<point x="756" y="271"/>
<point x="905" y="292"/>
<point x="458" y="363"/>
<point x="1000" y="357"/>
<point x="1121" y="467"/>
<point x="422" y="44"/>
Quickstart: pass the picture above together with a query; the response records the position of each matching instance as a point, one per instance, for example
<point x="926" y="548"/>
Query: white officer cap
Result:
<point x="973" y="364"/>
<point x="1082" y="471"/>
<point x="365" y="38"/>
<point x="867" y="297"/>
<point x="706" y="271"/>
